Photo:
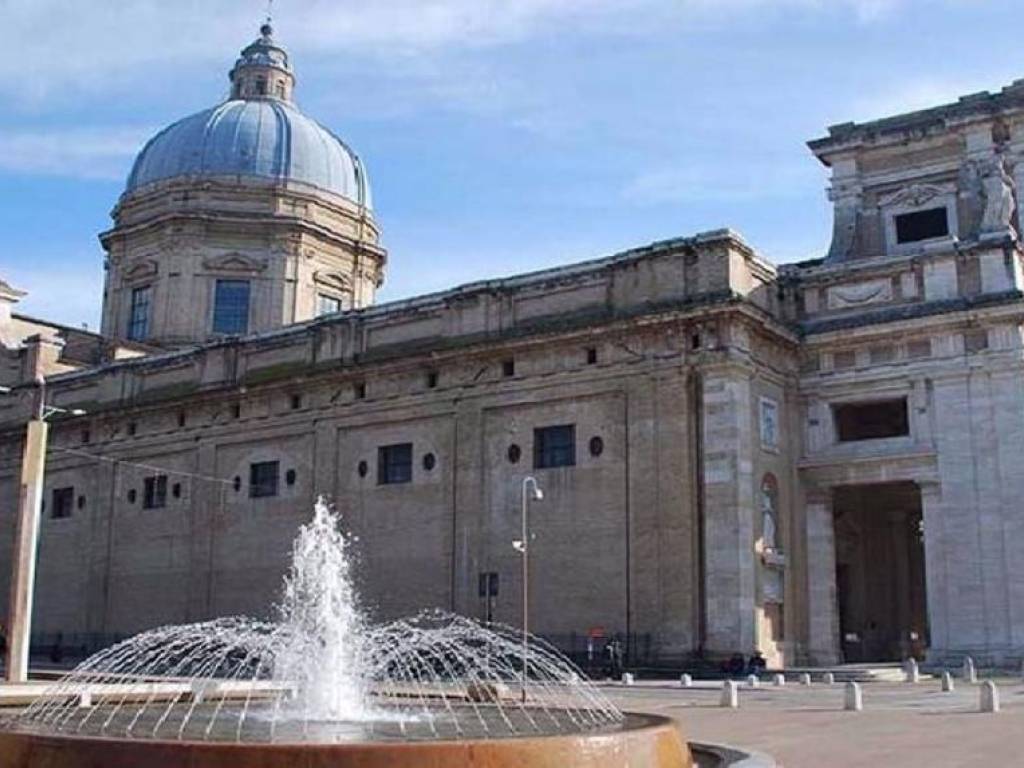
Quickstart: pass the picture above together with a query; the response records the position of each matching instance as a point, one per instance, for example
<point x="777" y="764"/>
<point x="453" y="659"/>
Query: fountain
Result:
<point x="320" y="686"/>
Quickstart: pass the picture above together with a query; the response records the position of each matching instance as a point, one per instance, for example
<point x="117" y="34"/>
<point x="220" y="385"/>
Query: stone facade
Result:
<point x="818" y="461"/>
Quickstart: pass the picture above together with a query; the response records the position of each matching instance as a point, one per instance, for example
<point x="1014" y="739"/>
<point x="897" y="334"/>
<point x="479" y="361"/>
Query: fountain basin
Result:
<point x="641" y="740"/>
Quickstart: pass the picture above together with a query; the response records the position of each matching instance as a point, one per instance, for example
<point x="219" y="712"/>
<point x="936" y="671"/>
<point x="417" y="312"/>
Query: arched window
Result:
<point x="770" y="513"/>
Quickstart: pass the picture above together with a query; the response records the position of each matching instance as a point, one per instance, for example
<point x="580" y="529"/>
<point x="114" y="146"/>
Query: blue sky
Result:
<point x="500" y="136"/>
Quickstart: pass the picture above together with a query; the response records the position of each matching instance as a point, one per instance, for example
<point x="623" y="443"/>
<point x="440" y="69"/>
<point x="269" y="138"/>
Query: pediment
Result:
<point x="916" y="195"/>
<point x="336" y="280"/>
<point x="234" y="262"/>
<point x="141" y="270"/>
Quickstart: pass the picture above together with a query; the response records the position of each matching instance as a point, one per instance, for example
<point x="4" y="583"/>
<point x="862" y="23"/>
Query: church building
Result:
<point x="818" y="461"/>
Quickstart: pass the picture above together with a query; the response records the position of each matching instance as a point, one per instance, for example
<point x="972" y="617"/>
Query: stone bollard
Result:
<point x="805" y="679"/>
<point x="730" y="695"/>
<point x="828" y="678"/>
<point x="753" y="681"/>
<point x="853" y="698"/>
<point x="989" y="697"/>
<point x="947" y="682"/>
<point x="779" y="680"/>
<point x="970" y="673"/>
<point x="627" y="678"/>
<point x="911" y="672"/>
<point x="685" y="680"/>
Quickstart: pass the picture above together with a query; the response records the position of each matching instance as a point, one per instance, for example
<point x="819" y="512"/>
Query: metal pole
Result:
<point x="23" y="561"/>
<point x="526" y="589"/>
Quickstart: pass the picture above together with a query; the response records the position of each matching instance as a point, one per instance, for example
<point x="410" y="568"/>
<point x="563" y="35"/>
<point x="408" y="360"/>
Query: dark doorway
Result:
<point x="880" y="576"/>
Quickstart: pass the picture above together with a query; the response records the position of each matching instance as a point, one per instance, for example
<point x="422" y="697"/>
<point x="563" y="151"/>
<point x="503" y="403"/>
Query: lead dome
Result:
<point x="258" y="132"/>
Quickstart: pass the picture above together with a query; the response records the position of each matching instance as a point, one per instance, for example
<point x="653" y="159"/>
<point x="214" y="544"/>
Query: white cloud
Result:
<point x="736" y="181"/>
<point x="52" y="46"/>
<point x="90" y="153"/>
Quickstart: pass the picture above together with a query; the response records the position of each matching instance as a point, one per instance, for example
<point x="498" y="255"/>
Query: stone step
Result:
<point x="855" y="673"/>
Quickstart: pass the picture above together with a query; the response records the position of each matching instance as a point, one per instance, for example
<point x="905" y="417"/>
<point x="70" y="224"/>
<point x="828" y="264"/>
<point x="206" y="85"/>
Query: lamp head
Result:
<point x="538" y="494"/>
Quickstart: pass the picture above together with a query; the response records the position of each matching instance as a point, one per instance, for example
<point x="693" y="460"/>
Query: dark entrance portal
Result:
<point x="880" y="577"/>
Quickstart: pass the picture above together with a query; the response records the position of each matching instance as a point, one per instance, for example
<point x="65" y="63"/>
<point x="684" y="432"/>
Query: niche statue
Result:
<point x="997" y="189"/>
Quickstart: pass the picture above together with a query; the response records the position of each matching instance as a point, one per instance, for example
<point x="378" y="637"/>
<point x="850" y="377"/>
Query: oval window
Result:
<point x="429" y="461"/>
<point x="514" y="453"/>
<point x="596" y="446"/>
<point x="363" y="469"/>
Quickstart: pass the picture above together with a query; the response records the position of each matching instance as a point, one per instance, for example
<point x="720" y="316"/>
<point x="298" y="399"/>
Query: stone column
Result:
<point x="935" y="570"/>
<point x="26" y="545"/>
<point x="729" y="512"/>
<point x="823" y="617"/>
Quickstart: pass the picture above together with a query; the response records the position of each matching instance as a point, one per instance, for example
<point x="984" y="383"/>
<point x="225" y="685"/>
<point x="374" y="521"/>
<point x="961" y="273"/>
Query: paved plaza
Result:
<point x="911" y="726"/>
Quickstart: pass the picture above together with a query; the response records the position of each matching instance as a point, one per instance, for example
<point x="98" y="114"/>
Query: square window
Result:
<point x="769" y="423"/>
<point x="138" y="315"/>
<point x="154" y="492"/>
<point x="431" y="379"/>
<point x="921" y="225"/>
<point x="871" y="421"/>
<point x="394" y="464"/>
<point x="63" y="502"/>
<point x="554" y="446"/>
<point x="591" y="355"/>
<point x="231" y="307"/>
<point x="508" y="367"/>
<point x="263" y="479"/>
<point x="327" y="305"/>
<point x="359" y="390"/>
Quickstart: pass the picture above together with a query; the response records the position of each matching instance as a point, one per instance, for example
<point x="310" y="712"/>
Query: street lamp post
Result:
<point x="524" y="549"/>
<point x="23" y="560"/>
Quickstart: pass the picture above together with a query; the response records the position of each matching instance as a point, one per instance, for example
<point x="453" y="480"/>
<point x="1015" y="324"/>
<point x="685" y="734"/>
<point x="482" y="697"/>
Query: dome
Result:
<point x="266" y="138"/>
<point x="258" y="132"/>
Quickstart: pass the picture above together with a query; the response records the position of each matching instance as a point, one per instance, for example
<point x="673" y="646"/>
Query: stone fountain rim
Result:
<point x="643" y="721"/>
<point x="655" y="740"/>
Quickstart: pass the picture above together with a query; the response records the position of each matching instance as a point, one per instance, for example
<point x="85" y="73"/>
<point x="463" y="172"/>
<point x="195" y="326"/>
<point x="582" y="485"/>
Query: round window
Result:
<point x="429" y="461"/>
<point x="596" y="446"/>
<point x="514" y="453"/>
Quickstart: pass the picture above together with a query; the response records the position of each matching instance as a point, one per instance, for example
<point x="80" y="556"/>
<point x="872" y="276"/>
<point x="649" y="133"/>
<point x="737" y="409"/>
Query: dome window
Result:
<point x="231" y="307"/>
<point x="138" y="315"/>
<point x="327" y="304"/>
